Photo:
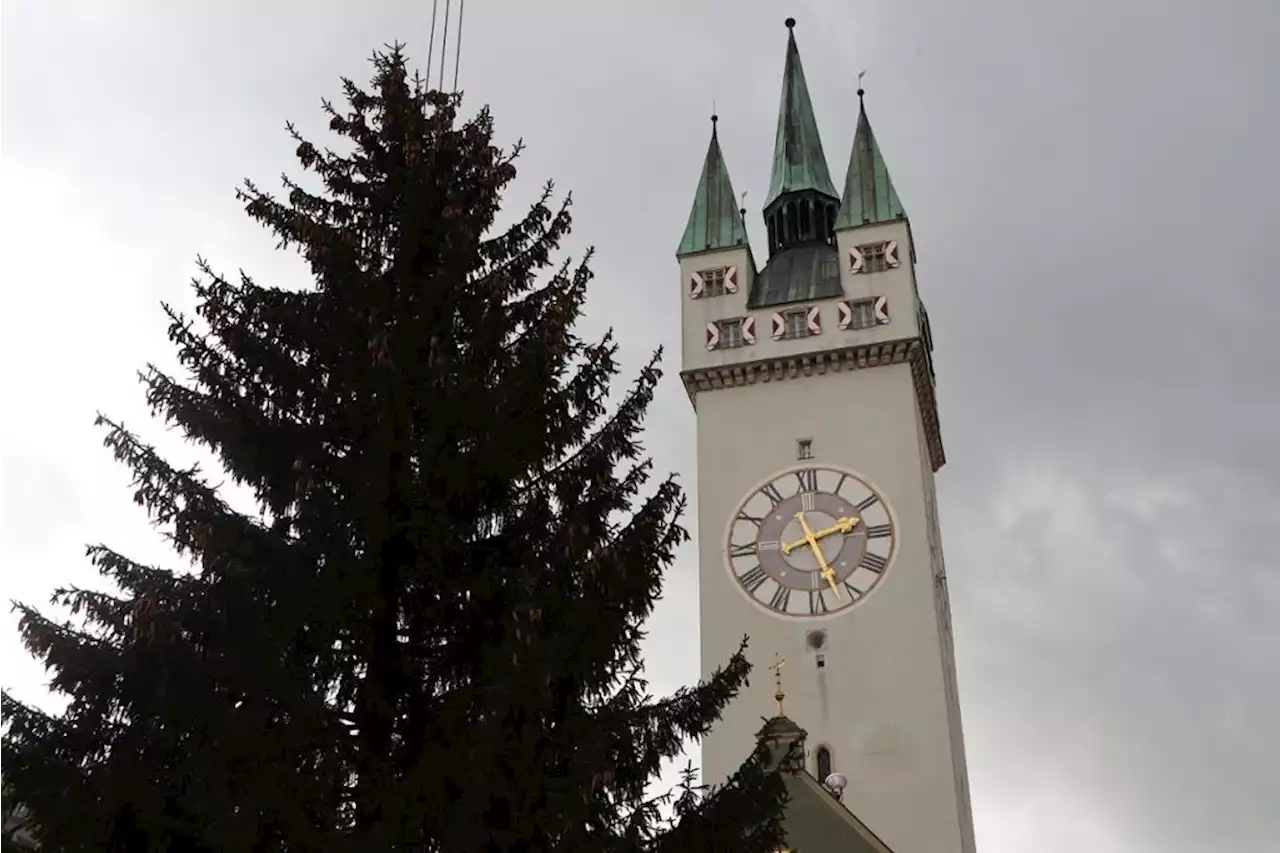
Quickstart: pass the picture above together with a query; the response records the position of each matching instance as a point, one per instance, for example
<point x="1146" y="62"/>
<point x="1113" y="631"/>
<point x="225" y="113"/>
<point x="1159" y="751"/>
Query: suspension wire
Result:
<point x="444" y="40"/>
<point x="431" y="45"/>
<point x="457" y="55"/>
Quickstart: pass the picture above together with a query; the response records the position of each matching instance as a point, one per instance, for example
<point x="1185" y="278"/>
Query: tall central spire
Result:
<point x="798" y="160"/>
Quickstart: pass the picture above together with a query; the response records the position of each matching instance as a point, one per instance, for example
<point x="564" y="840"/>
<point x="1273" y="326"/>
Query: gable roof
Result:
<point x="816" y="822"/>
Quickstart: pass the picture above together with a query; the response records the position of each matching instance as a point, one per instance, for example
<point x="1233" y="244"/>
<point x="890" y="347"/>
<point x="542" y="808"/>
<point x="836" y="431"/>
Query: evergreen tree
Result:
<point x="427" y="637"/>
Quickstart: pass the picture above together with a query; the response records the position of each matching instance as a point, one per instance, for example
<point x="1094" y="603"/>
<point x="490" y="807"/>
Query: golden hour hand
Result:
<point x="843" y="525"/>
<point x="812" y="540"/>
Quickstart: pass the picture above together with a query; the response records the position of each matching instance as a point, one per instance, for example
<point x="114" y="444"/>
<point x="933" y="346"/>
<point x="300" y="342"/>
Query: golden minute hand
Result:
<point x="843" y="525"/>
<point x="817" y="553"/>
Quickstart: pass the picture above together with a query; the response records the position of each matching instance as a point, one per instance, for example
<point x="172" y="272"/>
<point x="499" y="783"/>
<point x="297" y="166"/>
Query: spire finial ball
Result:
<point x="714" y="118"/>
<point x="791" y="23"/>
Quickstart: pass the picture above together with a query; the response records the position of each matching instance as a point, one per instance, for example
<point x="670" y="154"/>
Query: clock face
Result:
<point x="811" y="542"/>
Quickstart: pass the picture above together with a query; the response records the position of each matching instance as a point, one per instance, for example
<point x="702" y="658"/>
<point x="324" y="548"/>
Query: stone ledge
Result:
<point x="819" y="363"/>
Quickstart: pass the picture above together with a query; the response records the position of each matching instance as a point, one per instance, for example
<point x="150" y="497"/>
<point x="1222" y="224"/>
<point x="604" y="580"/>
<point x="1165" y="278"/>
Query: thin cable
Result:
<point x="457" y="56"/>
<point x="444" y="40"/>
<point x="431" y="46"/>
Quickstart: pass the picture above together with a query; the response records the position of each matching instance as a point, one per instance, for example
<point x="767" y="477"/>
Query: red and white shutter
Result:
<point x="881" y="310"/>
<point x="844" y="317"/>
<point x="857" y="263"/>
<point x="748" y="330"/>
<point x="779" y="325"/>
<point x="730" y="279"/>
<point x="696" y="286"/>
<point x="891" y="253"/>
<point x="713" y="336"/>
<point x="814" y="320"/>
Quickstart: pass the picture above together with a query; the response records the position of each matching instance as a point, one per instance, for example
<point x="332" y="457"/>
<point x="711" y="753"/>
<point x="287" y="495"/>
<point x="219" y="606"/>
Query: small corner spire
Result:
<point x="782" y="736"/>
<point x="714" y="220"/>
<point x="869" y="195"/>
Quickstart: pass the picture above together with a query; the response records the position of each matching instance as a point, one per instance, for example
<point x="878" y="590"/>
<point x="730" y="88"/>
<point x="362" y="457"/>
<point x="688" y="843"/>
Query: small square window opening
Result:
<point x="804" y="448"/>
<point x="730" y="333"/>
<point x="713" y="281"/>
<point x="864" y="313"/>
<point x="873" y="257"/>
<point x="796" y="324"/>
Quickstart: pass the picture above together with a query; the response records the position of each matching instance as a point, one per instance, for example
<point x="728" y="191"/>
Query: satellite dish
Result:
<point x="836" y="783"/>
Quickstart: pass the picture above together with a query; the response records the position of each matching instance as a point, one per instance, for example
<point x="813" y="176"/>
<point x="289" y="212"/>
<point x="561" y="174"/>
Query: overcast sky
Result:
<point x="1093" y="189"/>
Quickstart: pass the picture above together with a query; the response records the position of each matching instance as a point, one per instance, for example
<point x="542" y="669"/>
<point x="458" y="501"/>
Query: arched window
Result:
<point x="824" y="763"/>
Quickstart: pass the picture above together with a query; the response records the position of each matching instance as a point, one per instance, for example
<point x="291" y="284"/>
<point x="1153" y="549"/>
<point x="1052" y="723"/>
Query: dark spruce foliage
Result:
<point x="427" y="637"/>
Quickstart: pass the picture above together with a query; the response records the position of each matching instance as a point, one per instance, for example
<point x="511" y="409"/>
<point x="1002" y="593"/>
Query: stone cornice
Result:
<point x="908" y="351"/>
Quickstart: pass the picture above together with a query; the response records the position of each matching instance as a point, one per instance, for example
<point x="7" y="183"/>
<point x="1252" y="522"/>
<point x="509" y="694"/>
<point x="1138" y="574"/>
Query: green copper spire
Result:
<point x="869" y="195"/>
<point x="798" y="161"/>
<point x="715" y="221"/>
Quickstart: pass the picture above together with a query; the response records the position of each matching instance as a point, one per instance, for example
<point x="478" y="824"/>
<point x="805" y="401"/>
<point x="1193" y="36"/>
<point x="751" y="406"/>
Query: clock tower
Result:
<point x="817" y="444"/>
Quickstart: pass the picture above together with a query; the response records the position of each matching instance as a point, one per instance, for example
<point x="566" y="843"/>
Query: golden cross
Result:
<point x="776" y="666"/>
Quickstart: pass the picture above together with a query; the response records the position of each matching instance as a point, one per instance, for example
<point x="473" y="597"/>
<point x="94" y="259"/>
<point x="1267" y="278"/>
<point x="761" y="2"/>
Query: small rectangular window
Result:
<point x="864" y="313"/>
<point x="804" y="448"/>
<point x="713" y="281"/>
<point x="873" y="257"/>
<point x="730" y="333"/>
<point x="795" y="324"/>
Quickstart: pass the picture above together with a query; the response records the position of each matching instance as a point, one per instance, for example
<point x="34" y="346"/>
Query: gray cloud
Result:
<point x="1092" y="186"/>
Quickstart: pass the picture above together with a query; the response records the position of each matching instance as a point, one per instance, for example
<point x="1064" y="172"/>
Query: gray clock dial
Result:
<point x="811" y="542"/>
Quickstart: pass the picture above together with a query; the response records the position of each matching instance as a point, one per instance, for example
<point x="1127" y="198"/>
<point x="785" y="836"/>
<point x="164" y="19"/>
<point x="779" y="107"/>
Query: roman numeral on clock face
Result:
<point x="874" y="562"/>
<point x="770" y="491"/>
<point x="817" y="604"/>
<point x="780" y="598"/>
<point x="747" y="550"/>
<point x="752" y="580"/>
<point x="808" y="480"/>
<point x="879" y="531"/>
